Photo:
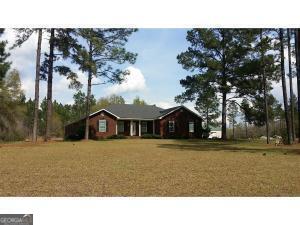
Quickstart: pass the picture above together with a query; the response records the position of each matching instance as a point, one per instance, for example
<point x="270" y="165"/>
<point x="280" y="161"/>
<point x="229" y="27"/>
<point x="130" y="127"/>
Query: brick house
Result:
<point x="137" y="120"/>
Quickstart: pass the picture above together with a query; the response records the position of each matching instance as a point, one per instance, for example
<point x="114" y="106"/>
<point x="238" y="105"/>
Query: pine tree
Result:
<point x="217" y="54"/>
<point x="4" y="64"/>
<point x="232" y="115"/>
<point x="199" y="90"/>
<point x="284" y="91"/>
<point x="102" y="49"/>
<point x="291" y="84"/>
<point x="23" y="34"/>
<point x="297" y="51"/>
<point x="62" y="43"/>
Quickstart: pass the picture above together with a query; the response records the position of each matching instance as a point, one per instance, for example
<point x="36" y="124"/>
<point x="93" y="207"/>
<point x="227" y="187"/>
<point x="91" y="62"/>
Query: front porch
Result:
<point x="135" y="128"/>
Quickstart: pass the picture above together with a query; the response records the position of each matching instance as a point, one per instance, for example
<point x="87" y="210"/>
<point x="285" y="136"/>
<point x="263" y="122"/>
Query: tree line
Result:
<point x="235" y="69"/>
<point x="96" y="52"/>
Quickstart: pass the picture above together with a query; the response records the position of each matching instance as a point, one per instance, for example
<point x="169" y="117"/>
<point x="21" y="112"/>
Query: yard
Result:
<point x="144" y="167"/>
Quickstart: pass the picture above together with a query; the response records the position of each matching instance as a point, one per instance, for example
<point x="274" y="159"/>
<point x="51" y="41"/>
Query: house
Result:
<point x="137" y="120"/>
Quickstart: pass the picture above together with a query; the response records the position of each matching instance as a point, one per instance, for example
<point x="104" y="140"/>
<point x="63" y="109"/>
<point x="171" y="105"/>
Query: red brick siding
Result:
<point x="182" y="117"/>
<point x="94" y="125"/>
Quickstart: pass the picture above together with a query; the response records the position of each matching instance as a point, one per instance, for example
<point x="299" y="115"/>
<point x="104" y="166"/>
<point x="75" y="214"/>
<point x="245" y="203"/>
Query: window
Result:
<point x="191" y="127"/>
<point x="144" y="127"/>
<point x="120" y="126"/>
<point x="171" y="126"/>
<point x="102" y="126"/>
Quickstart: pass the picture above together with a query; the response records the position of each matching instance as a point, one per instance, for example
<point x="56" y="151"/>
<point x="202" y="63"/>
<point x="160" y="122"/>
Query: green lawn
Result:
<point x="143" y="167"/>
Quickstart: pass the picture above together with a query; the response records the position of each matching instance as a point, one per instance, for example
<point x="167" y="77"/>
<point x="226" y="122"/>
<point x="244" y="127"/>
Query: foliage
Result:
<point x="232" y="112"/>
<point x="4" y="64"/>
<point x="12" y="107"/>
<point x="117" y="136"/>
<point x="138" y="101"/>
<point x="79" y="106"/>
<point x="215" y="57"/>
<point x="255" y="113"/>
<point x="104" y="48"/>
<point x="151" y="136"/>
<point x="106" y="101"/>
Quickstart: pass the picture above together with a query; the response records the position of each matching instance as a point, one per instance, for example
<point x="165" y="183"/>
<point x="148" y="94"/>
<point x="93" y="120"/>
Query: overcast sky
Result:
<point x="154" y="77"/>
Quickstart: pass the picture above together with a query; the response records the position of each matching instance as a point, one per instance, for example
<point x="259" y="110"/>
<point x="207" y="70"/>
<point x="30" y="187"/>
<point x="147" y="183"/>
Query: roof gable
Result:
<point x="131" y="111"/>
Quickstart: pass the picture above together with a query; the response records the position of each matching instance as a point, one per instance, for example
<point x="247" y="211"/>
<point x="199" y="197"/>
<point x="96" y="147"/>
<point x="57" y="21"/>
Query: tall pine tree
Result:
<point x="102" y="51"/>
<point x="217" y="54"/>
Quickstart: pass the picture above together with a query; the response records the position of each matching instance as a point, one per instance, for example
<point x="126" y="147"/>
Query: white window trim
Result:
<point x="105" y="126"/>
<point x="193" y="131"/>
<point x="173" y="122"/>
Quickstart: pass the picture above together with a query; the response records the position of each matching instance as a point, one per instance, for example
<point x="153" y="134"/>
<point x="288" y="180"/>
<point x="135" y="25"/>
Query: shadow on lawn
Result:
<point x="204" y="146"/>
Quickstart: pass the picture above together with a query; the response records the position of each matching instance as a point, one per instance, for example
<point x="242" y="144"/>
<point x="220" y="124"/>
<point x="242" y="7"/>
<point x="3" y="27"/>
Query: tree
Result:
<point x="61" y="43"/>
<point x="12" y="101"/>
<point x="232" y="114"/>
<point x="23" y="35"/>
<point x="138" y="101"/>
<point x="49" y="85"/>
<point x="284" y="91"/>
<point x="263" y="50"/>
<point x="261" y="64"/>
<point x="297" y="51"/>
<point x="109" y="100"/>
<point x="4" y="64"/>
<point x="291" y="85"/>
<point x="254" y="110"/>
<point x="200" y="91"/>
<point x="6" y="106"/>
<point x="79" y="106"/>
<point x="103" y="48"/>
<point x="217" y="54"/>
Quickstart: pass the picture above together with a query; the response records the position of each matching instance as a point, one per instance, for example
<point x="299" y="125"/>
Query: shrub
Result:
<point x="151" y="136"/>
<point x="117" y="136"/>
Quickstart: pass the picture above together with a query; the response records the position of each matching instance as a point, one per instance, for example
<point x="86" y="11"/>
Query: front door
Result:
<point x="133" y="128"/>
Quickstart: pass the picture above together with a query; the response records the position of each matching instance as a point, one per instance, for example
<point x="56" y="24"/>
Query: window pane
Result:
<point x="171" y="126"/>
<point x="102" y="125"/>
<point x="191" y="127"/>
<point x="144" y="127"/>
<point x="121" y="126"/>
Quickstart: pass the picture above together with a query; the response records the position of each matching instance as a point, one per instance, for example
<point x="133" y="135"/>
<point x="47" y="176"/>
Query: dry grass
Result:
<point x="149" y="168"/>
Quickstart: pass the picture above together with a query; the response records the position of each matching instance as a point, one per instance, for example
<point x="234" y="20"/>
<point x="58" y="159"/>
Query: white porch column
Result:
<point x="140" y="131"/>
<point x="130" y="127"/>
<point x="117" y="128"/>
<point x="153" y="128"/>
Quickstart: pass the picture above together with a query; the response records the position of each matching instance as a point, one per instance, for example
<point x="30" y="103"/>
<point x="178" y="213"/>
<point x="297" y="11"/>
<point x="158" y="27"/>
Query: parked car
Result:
<point x="215" y="135"/>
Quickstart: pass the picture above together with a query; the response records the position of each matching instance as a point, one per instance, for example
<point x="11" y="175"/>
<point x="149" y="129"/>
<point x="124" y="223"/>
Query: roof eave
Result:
<point x="177" y="109"/>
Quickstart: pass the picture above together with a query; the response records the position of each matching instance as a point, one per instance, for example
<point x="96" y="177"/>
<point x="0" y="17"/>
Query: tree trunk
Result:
<point x="265" y="90"/>
<point x="246" y="129"/>
<point x="207" y="119"/>
<point x="233" y="129"/>
<point x="224" y="99"/>
<point x="37" y="85"/>
<point x="88" y="96"/>
<point x="284" y="92"/>
<point x="291" y="86"/>
<point x="297" y="48"/>
<point x="49" y="87"/>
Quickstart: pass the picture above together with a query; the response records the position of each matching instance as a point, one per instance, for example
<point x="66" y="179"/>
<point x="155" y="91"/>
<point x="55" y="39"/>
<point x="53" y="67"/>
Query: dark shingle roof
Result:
<point x="131" y="111"/>
<point x="135" y="111"/>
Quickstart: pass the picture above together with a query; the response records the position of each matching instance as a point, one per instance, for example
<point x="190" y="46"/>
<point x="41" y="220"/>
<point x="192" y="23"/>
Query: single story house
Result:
<point x="137" y="120"/>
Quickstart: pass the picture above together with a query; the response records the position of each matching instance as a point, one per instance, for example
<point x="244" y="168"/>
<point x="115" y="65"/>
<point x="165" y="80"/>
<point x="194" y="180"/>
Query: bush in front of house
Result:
<point x="151" y="136"/>
<point x="117" y="136"/>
